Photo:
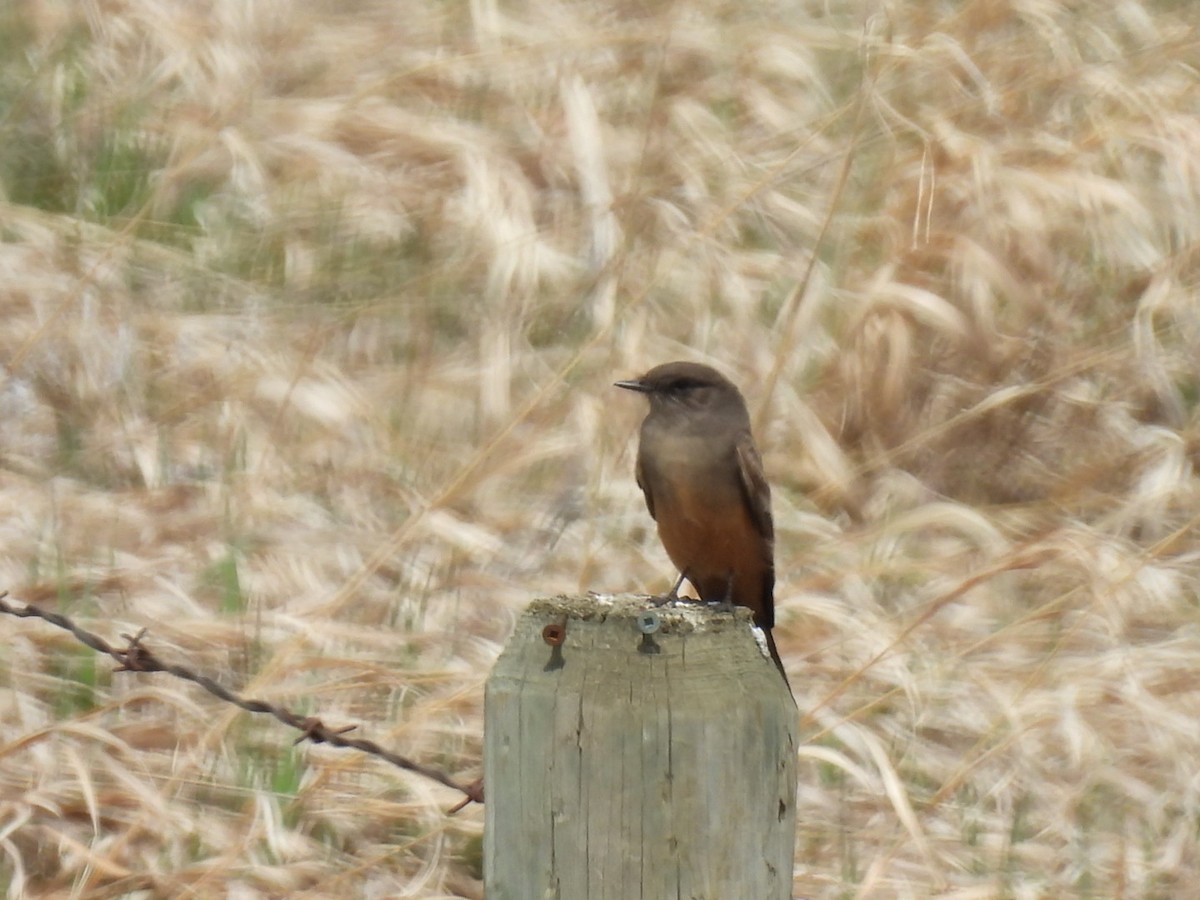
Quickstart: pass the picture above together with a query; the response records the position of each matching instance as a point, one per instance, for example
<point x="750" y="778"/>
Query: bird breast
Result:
<point x="692" y="477"/>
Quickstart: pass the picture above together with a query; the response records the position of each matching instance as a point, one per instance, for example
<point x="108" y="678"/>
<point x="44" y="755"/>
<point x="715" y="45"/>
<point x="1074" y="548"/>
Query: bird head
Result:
<point x="676" y="387"/>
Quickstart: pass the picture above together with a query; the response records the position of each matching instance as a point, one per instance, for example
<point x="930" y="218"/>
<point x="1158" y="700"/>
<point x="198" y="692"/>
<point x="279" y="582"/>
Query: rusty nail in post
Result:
<point x="555" y="633"/>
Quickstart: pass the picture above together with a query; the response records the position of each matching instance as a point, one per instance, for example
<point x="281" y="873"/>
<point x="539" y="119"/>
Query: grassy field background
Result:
<point x="310" y="312"/>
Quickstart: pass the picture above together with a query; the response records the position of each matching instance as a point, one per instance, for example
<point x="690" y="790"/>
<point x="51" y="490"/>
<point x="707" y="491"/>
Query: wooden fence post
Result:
<point x="648" y="756"/>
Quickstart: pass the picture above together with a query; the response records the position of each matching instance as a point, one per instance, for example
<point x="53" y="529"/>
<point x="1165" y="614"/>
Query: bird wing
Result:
<point x="755" y="489"/>
<point x="644" y="484"/>
<point x="757" y="494"/>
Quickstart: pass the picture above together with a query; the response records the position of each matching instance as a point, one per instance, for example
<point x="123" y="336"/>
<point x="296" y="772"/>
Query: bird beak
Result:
<point x="634" y="385"/>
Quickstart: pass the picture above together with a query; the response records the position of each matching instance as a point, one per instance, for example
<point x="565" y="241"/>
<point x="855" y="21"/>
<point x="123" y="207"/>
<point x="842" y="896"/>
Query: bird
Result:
<point x="703" y="482"/>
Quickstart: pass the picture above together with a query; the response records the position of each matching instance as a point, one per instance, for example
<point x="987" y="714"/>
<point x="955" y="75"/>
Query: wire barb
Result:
<point x="136" y="657"/>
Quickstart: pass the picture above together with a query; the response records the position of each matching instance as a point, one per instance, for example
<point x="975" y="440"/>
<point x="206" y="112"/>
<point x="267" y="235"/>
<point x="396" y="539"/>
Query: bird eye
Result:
<point x="684" y="384"/>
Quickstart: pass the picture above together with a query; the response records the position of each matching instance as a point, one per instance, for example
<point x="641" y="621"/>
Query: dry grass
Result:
<point x="310" y="314"/>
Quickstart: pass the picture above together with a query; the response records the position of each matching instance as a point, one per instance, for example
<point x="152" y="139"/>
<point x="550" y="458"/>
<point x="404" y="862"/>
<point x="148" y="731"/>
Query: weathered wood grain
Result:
<point x="614" y="773"/>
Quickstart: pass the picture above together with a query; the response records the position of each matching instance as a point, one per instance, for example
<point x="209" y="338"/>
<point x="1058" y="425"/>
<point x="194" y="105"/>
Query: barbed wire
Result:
<point x="136" y="657"/>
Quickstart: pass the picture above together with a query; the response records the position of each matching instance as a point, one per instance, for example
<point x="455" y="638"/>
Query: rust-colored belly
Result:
<point x="709" y="535"/>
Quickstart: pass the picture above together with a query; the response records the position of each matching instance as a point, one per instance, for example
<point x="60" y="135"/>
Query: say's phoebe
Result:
<point x="703" y="482"/>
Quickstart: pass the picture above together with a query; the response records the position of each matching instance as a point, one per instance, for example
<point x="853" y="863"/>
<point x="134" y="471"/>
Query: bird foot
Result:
<point x="673" y="596"/>
<point x="725" y="604"/>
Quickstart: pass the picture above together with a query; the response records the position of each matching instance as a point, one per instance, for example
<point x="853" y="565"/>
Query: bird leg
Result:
<point x="673" y="596"/>
<point x="725" y="604"/>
